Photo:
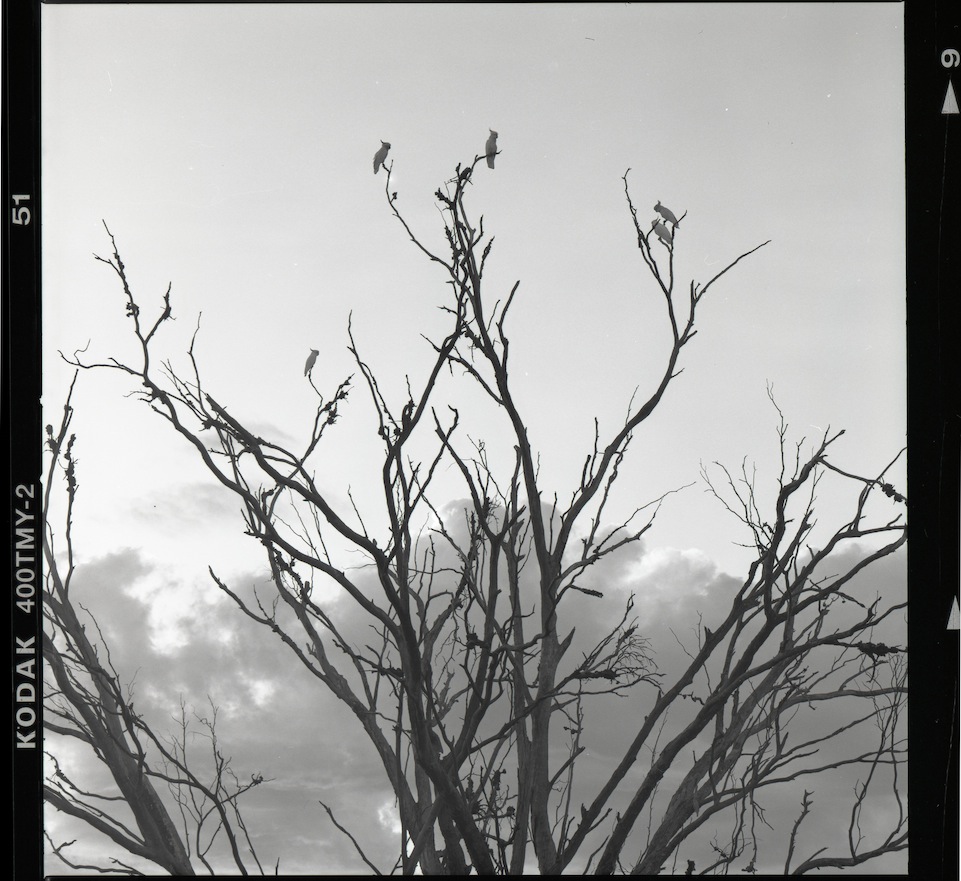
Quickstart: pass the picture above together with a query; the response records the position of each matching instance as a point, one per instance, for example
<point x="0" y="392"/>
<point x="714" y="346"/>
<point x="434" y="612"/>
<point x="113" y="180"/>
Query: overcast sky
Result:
<point x="229" y="147"/>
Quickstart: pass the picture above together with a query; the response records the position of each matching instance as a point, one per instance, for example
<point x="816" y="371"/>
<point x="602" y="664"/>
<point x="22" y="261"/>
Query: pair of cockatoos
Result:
<point x="663" y="232"/>
<point x="490" y="150"/>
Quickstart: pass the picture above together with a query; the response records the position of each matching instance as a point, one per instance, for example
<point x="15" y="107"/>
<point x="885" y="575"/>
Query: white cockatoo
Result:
<point x="663" y="233"/>
<point x="311" y="359"/>
<point x="381" y="156"/>
<point x="666" y="213"/>
<point x="491" y="148"/>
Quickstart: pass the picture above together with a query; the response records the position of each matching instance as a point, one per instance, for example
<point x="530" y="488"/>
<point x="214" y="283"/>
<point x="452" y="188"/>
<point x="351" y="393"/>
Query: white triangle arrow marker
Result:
<point x="950" y="100"/>
<point x="954" y="619"/>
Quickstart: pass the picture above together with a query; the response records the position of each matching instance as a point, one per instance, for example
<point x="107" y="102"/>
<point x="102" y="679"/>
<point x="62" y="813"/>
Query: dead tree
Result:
<point x="471" y="692"/>
<point x="85" y="701"/>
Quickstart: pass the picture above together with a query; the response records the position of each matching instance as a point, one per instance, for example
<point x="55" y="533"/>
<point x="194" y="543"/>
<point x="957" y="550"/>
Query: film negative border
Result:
<point x="22" y="418"/>
<point x="933" y="165"/>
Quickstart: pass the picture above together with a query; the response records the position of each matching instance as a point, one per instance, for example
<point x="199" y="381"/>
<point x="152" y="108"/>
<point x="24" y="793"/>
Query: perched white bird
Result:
<point x="663" y="233"/>
<point x="311" y="358"/>
<point x="666" y="213"/>
<point x="491" y="148"/>
<point x="381" y="156"/>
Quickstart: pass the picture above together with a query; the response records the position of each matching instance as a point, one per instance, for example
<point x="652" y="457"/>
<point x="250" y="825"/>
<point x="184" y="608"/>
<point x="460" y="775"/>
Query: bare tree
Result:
<point x="85" y="701"/>
<point x="471" y="690"/>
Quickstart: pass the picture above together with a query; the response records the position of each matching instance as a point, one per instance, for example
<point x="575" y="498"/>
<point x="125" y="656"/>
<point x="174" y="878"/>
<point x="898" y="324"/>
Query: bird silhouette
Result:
<point x="663" y="233"/>
<point x="491" y="148"/>
<point x="381" y="156"/>
<point x="666" y="213"/>
<point x="311" y="359"/>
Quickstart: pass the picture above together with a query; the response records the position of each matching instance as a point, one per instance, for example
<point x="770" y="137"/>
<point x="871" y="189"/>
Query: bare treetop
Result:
<point x="465" y="681"/>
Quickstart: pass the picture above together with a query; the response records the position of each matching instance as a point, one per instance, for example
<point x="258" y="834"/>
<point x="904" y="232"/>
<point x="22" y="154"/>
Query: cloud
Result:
<point x="677" y="592"/>
<point x="276" y="719"/>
